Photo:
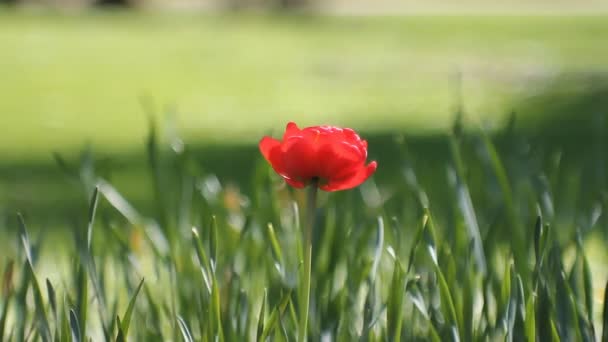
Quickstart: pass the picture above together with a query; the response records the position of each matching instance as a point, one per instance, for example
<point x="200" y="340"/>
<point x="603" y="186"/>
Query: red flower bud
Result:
<point x="334" y="156"/>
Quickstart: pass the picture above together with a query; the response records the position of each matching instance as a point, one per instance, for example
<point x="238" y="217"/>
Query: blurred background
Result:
<point x="84" y="79"/>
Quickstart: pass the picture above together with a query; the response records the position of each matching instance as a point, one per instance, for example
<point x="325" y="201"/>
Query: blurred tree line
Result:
<point x="227" y="4"/>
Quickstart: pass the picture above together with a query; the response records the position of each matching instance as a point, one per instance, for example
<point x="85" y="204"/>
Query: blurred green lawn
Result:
<point x="66" y="79"/>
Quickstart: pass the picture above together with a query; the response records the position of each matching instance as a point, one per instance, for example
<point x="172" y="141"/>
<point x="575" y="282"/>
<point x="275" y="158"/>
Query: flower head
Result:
<point x="333" y="156"/>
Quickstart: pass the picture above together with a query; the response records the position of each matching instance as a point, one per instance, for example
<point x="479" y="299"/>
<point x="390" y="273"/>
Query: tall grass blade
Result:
<point x="120" y="203"/>
<point x="82" y="302"/>
<point x="4" y="315"/>
<point x="530" y="322"/>
<point x="216" y="311"/>
<point x="567" y="313"/>
<point x="52" y="298"/>
<point x="127" y="316"/>
<point x="202" y="259"/>
<point x="41" y="319"/>
<point x="261" y="316"/>
<point x="213" y="243"/>
<point x="7" y="294"/>
<point x="378" y="249"/>
<point x="538" y="236"/>
<point x="587" y="281"/>
<point x="75" y="327"/>
<point x="605" y="315"/>
<point x="394" y="311"/>
<point x="276" y="247"/>
<point x="25" y="239"/>
<point x="183" y="328"/>
<point x="465" y="204"/>
<point x="417" y="239"/>
<point x="277" y="312"/>
<point x="91" y="220"/>
<point x="120" y="335"/>
<point x="65" y="332"/>
<point x="447" y="302"/>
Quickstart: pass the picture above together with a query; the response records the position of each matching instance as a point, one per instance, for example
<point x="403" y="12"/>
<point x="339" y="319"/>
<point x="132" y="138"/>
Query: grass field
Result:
<point x="67" y="79"/>
<point x="479" y="239"/>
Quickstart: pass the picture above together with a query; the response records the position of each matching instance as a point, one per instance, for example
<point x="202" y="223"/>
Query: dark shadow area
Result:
<point x="566" y="121"/>
<point x="568" y="112"/>
<point x="47" y="194"/>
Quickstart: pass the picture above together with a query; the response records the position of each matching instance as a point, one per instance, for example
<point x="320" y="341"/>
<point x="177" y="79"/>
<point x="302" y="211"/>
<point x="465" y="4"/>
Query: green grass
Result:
<point x="71" y="78"/>
<point x="499" y="239"/>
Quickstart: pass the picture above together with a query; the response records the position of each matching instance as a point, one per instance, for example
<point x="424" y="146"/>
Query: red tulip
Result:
<point x="333" y="156"/>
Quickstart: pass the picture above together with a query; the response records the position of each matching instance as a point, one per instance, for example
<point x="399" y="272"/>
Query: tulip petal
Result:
<point x="267" y="144"/>
<point x="271" y="150"/>
<point x="294" y="183"/>
<point x="291" y="130"/>
<point x="357" y="178"/>
<point x="299" y="159"/>
<point x="339" y="159"/>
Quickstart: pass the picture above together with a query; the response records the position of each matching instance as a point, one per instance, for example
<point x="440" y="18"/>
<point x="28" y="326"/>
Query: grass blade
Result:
<point x="378" y="249"/>
<point x="605" y="315"/>
<point x="74" y="327"/>
<point x="465" y="204"/>
<point x="213" y="243"/>
<point x="555" y="336"/>
<point x="260" y="330"/>
<point x="82" y="302"/>
<point x="538" y="235"/>
<point x="52" y="298"/>
<point x="65" y="332"/>
<point x="41" y="319"/>
<point x="394" y="311"/>
<point x="92" y="210"/>
<point x="568" y="320"/>
<point x="530" y="323"/>
<point x="25" y="239"/>
<point x="216" y="311"/>
<point x="447" y="301"/>
<point x="120" y="203"/>
<point x="202" y="259"/>
<point x="419" y="235"/>
<point x="274" y="316"/>
<point x="3" y="316"/>
<point x="40" y="312"/>
<point x="276" y="247"/>
<point x="7" y="294"/>
<point x="183" y="327"/>
<point x="127" y="316"/>
<point x="587" y="279"/>
<point x="120" y="337"/>
<point x="543" y="314"/>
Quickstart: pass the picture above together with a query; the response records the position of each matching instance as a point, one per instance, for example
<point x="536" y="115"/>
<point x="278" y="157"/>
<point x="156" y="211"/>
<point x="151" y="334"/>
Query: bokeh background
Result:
<point x="487" y="119"/>
<point x="82" y="78"/>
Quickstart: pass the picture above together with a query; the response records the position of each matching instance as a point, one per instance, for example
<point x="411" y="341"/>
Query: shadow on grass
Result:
<point x="566" y="120"/>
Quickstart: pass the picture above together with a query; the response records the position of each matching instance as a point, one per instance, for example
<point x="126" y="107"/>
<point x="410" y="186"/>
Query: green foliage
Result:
<point x="485" y="251"/>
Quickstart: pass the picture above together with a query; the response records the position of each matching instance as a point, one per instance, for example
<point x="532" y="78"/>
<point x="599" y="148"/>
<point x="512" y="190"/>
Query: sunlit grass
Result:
<point x="67" y="78"/>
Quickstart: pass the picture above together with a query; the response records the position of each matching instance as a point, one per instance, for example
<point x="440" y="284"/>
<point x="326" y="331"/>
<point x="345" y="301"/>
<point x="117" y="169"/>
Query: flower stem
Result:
<point x="307" y="240"/>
